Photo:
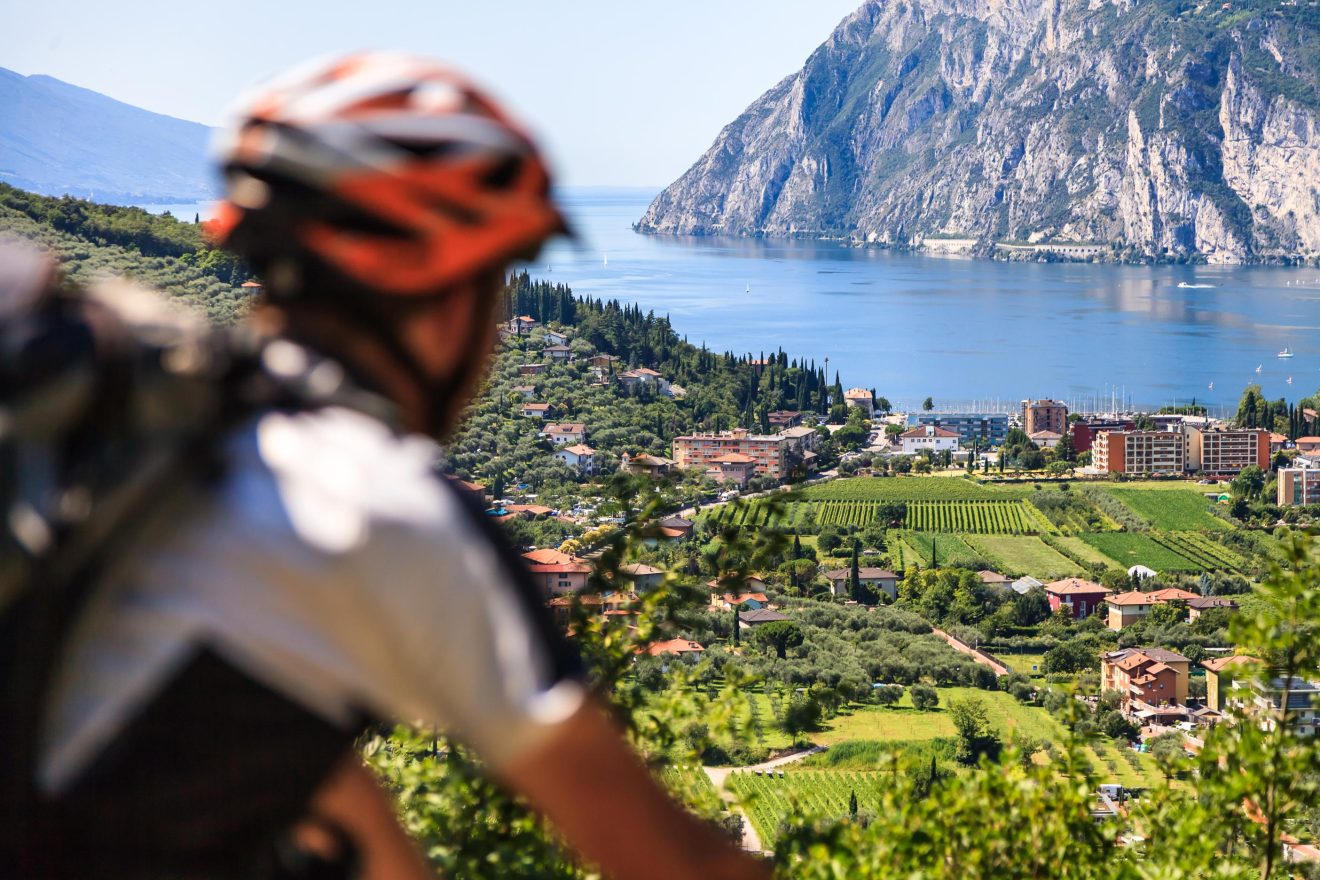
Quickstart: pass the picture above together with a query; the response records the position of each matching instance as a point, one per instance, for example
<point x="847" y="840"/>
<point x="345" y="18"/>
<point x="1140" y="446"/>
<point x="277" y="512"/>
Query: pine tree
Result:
<point x="736" y="635"/>
<point x="797" y="547"/>
<point x="852" y="804"/>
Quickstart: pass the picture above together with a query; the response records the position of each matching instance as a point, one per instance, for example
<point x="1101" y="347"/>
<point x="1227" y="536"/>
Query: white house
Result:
<point x="928" y="437"/>
<point x="528" y="392"/>
<point x="554" y="337"/>
<point x="521" y="325"/>
<point x="558" y="352"/>
<point x="875" y="578"/>
<point x="582" y="458"/>
<point x="632" y="379"/>
<point x="1046" y="439"/>
<point x="561" y="435"/>
<point x="534" y="410"/>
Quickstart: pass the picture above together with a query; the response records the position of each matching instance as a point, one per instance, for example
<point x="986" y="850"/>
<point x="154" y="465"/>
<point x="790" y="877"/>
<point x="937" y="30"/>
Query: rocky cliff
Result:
<point x="1156" y="127"/>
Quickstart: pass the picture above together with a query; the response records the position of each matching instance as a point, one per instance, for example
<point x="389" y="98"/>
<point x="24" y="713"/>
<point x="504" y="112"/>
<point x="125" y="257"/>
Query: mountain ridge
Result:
<point x="57" y="138"/>
<point x="1158" y="129"/>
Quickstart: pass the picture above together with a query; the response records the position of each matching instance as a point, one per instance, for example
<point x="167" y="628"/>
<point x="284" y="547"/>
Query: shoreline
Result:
<point x="1008" y="251"/>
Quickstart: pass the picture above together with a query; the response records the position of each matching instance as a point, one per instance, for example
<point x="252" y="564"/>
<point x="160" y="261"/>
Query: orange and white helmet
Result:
<point x="394" y="172"/>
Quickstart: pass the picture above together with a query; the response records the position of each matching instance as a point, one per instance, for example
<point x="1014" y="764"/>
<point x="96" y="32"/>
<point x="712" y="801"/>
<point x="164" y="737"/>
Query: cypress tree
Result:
<point x="855" y="575"/>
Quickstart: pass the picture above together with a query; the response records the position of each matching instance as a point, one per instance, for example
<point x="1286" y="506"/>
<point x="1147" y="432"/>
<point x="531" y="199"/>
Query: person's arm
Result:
<point x="586" y="779"/>
<point x="353" y="801"/>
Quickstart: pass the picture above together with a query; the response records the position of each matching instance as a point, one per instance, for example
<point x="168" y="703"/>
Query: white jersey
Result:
<point x="335" y="568"/>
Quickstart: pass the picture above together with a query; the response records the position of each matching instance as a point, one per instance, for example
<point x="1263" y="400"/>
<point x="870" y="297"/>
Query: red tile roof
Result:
<point x="1219" y="664"/>
<point x="1075" y="586"/>
<point x="927" y="431"/>
<point x="1155" y="597"/>
<point x="548" y="556"/>
<point x="673" y="646"/>
<point x="579" y="449"/>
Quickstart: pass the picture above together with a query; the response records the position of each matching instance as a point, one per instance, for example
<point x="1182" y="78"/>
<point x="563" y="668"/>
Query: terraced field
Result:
<point x="1077" y="547"/>
<point x="1141" y="548"/>
<point x="1174" y="507"/>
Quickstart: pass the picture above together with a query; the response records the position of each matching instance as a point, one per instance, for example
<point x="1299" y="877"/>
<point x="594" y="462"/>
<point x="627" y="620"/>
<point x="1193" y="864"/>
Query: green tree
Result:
<point x="976" y="737"/>
<point x="1071" y="656"/>
<point x="928" y="404"/>
<point x="1248" y="483"/>
<point x="778" y="636"/>
<point x="923" y="696"/>
<point x="800" y="715"/>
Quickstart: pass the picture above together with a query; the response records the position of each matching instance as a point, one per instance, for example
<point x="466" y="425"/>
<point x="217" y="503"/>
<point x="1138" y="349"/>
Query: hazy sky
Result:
<point x="621" y="92"/>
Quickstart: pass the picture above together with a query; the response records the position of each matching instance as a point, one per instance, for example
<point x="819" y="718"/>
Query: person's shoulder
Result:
<point x="341" y="478"/>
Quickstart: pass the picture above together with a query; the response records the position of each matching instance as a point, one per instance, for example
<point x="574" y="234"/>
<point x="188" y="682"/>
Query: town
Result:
<point x="989" y="563"/>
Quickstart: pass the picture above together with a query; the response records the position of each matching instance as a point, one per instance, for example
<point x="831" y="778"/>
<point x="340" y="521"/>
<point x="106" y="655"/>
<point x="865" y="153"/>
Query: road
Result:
<point x="983" y="659"/>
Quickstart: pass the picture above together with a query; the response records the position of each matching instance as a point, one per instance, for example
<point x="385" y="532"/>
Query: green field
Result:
<point x="1024" y="555"/>
<point x="1170" y="506"/>
<point x="1079" y="548"/>
<point x="1140" y="548"/>
<point x="904" y="723"/>
<point x="934" y="488"/>
<point x="1022" y="663"/>
<point x="949" y="549"/>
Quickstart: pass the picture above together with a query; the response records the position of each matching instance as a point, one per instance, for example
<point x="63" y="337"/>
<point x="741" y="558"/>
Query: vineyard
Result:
<point x="912" y="489"/>
<point x="949" y="549"/>
<point x="977" y="517"/>
<point x="770" y="796"/>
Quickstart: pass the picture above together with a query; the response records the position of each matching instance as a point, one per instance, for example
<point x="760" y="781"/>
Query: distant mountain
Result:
<point x="58" y="139"/>
<point x="1162" y="128"/>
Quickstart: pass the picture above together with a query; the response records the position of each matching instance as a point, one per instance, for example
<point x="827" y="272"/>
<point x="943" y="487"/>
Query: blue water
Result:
<point x="970" y="333"/>
<point x="967" y="332"/>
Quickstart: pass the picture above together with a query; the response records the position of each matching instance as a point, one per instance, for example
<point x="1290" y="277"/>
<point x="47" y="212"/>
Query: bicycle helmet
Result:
<point x="393" y="172"/>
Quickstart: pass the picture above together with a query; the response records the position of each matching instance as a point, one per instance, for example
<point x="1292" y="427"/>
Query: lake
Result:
<point x="970" y="333"/>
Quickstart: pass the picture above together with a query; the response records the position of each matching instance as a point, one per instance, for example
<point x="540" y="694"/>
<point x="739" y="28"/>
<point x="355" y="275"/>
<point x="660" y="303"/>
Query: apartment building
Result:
<point x="766" y="452"/>
<point x="1085" y="431"/>
<point x="1226" y="452"/>
<point x="1044" y="415"/>
<point x="1153" y="676"/>
<point x="1140" y="452"/>
<point x="980" y="428"/>
<point x="1299" y="486"/>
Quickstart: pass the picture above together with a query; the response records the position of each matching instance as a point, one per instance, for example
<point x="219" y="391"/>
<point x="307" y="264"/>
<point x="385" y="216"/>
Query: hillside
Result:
<point x="1162" y="128"/>
<point x="161" y="251"/>
<point x="57" y="139"/>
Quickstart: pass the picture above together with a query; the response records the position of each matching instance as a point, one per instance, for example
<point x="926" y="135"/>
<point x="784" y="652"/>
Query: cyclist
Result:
<point x="202" y="719"/>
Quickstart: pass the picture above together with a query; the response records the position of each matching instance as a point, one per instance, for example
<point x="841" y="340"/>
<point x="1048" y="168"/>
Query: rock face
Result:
<point x="1156" y="127"/>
